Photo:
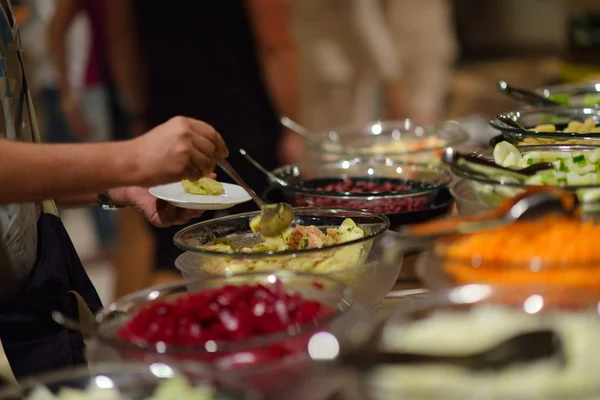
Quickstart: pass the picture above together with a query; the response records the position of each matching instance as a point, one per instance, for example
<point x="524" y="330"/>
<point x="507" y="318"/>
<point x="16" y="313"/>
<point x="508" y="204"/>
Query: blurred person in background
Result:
<point x="346" y="52"/>
<point x="231" y="63"/>
<point x="351" y="49"/>
<point x="40" y="271"/>
<point x="426" y="47"/>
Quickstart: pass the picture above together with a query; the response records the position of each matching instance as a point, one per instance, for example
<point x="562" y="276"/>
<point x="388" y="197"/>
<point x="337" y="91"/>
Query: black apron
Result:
<point x="32" y="341"/>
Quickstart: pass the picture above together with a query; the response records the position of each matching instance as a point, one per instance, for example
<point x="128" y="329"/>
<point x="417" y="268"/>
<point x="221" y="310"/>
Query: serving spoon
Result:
<point x="524" y="347"/>
<point x="274" y="218"/>
<point x="510" y="122"/>
<point x="299" y="129"/>
<point x="262" y="169"/>
<point x="454" y="158"/>
<point x="525" y="95"/>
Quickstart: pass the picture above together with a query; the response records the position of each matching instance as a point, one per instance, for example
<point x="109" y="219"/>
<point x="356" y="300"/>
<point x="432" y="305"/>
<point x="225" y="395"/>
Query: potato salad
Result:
<point x="297" y="238"/>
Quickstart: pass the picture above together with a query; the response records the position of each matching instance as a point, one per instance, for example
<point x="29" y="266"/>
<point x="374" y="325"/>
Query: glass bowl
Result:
<point x="467" y="202"/>
<point x="469" y="319"/>
<point x="559" y="116"/>
<point x="255" y="363"/>
<point x="492" y="192"/>
<point x="369" y="265"/>
<point x="132" y="380"/>
<point x="522" y="253"/>
<point x="581" y="94"/>
<point x="401" y="140"/>
<point x="320" y="184"/>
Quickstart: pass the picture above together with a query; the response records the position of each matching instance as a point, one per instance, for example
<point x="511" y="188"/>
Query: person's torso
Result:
<point x="18" y="230"/>
<point x="196" y="42"/>
<point x="202" y="62"/>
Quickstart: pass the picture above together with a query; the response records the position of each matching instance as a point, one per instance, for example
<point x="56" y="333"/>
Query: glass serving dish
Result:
<point x="531" y="117"/>
<point x="467" y="320"/>
<point x="467" y="202"/>
<point x="492" y="192"/>
<point x="538" y="252"/>
<point x="133" y="381"/>
<point x="581" y="94"/>
<point x="398" y="188"/>
<point x="402" y="140"/>
<point x="256" y="363"/>
<point x="369" y="265"/>
<point x="472" y="318"/>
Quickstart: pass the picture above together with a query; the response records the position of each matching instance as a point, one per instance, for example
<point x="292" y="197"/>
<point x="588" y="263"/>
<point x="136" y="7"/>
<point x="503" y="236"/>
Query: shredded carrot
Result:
<point x="550" y="250"/>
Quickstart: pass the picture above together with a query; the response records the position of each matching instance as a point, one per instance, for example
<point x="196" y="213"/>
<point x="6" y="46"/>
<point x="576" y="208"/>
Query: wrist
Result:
<point x="120" y="196"/>
<point x="129" y="162"/>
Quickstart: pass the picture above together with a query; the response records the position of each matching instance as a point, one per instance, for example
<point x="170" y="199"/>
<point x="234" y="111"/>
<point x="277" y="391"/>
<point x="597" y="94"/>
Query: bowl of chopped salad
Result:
<point x="552" y="125"/>
<point x="576" y="168"/>
<point x="123" y="381"/>
<point x="352" y="246"/>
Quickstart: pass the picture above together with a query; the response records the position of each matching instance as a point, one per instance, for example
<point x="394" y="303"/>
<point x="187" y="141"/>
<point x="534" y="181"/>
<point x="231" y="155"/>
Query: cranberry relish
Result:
<point x="229" y="313"/>
<point x="364" y="186"/>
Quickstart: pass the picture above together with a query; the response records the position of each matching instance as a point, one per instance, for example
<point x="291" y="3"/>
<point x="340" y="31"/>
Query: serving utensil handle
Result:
<point x="225" y="166"/>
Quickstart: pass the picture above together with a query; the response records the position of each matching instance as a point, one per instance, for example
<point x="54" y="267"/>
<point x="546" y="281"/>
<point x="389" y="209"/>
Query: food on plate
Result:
<point x="363" y="186"/>
<point x="214" y="318"/>
<point x="551" y="250"/>
<point x="203" y="186"/>
<point x="447" y="332"/>
<point x="168" y="389"/>
<point x="294" y="239"/>
<point x="587" y="126"/>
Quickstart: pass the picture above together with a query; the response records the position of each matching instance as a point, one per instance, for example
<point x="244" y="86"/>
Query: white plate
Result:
<point x="174" y="194"/>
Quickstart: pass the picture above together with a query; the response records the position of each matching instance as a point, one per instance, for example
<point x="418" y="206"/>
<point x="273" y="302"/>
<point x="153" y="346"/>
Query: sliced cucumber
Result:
<point x="593" y="156"/>
<point x="588" y="195"/>
<point x="502" y="151"/>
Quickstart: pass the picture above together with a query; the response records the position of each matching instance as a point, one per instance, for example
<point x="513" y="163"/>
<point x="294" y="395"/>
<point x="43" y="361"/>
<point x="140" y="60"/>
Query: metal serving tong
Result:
<point x="525" y="95"/>
<point x="531" y="204"/>
<point x="480" y="165"/>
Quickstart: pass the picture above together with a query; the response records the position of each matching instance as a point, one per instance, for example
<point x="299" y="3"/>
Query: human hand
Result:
<point x="158" y="212"/>
<point x="181" y="148"/>
<point x="292" y="148"/>
<point x="74" y="117"/>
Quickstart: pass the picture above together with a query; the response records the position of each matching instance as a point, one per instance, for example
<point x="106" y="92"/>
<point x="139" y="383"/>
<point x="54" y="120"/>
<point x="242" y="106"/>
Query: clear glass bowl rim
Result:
<point x="441" y="172"/>
<point x="307" y="211"/>
<point x="226" y="346"/>
<point x="455" y="138"/>
<point x="516" y="114"/>
<point x="488" y="153"/>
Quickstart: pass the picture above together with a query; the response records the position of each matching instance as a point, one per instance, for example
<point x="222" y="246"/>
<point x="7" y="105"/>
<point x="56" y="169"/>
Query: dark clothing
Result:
<point x="202" y="63"/>
<point x="32" y="341"/>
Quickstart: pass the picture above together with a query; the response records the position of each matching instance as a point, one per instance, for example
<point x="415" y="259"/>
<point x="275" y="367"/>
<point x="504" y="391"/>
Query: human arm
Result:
<point x="126" y="61"/>
<point x="277" y="53"/>
<point x="65" y="12"/>
<point x="371" y="27"/>
<point x="179" y="148"/>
